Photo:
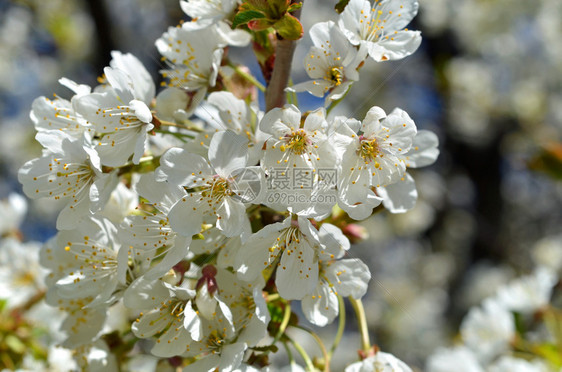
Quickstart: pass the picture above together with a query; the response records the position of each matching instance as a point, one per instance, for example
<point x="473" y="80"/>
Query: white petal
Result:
<point x="350" y="277"/>
<point x="254" y="256"/>
<point x="121" y="83"/>
<point x="174" y="341"/>
<point x="232" y="215"/>
<point x="315" y="87"/>
<point x="401" y="130"/>
<point x="424" y="150"/>
<point x="297" y="273"/>
<point x="399" y="46"/>
<point x="184" y="219"/>
<point x="177" y="166"/>
<point x="140" y="78"/>
<point x="321" y="306"/>
<point x="228" y="152"/>
<point x="231" y="356"/>
<point x="401" y="196"/>
<point x="141" y="110"/>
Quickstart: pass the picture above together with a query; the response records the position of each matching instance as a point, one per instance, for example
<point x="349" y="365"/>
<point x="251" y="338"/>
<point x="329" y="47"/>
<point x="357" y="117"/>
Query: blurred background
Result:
<point x="487" y="79"/>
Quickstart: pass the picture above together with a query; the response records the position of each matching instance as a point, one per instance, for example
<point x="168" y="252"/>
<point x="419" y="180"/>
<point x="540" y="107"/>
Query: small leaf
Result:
<point x="256" y="4"/>
<point x="260" y="24"/>
<point x="272" y="348"/>
<point x="15" y="344"/>
<point x="244" y="17"/>
<point x="293" y="7"/>
<point x="549" y="352"/>
<point x="277" y="8"/>
<point x="341" y="5"/>
<point x="289" y="27"/>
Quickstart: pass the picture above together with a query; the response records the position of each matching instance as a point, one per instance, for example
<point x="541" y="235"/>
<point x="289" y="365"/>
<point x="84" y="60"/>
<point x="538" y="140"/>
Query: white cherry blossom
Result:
<point x="380" y="362"/>
<point x="167" y="316"/>
<point x="139" y="79"/>
<point x="401" y="196"/>
<point x="332" y="63"/>
<point x="379" y="27"/>
<point x="373" y="156"/>
<point x="193" y="58"/>
<point x="12" y="212"/>
<point x="294" y="145"/>
<point x="488" y="330"/>
<point x="460" y="359"/>
<point x="213" y="191"/>
<point x="235" y="115"/>
<point x="68" y="170"/>
<point x="296" y="156"/>
<point x="343" y="277"/>
<point x="21" y="277"/>
<point x="95" y="357"/>
<point x="120" y="115"/>
<point x="83" y="324"/>
<point x="529" y="293"/>
<point x="512" y="364"/>
<point x="91" y="261"/>
<point x="249" y="317"/>
<point x="212" y="10"/>
<point x="292" y="247"/>
<point x="59" y="114"/>
<point x="217" y="13"/>
<point x="148" y="233"/>
<point x="122" y="202"/>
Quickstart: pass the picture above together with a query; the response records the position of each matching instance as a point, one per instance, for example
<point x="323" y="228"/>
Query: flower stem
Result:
<point x="362" y="320"/>
<point x="178" y="135"/>
<point x="186" y="124"/>
<point x="292" y="96"/>
<point x="336" y="102"/>
<point x="318" y="340"/>
<point x="272" y="297"/>
<point x="341" y="325"/>
<point x="289" y="353"/>
<point x="250" y="78"/>
<point x="145" y="165"/>
<point x="284" y="323"/>
<point x="303" y="354"/>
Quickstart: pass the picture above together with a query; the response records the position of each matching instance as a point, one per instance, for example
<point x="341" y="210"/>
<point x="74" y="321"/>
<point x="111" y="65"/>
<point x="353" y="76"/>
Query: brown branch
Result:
<point x="275" y="92"/>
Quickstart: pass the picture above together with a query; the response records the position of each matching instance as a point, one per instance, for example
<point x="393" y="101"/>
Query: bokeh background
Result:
<point x="487" y="79"/>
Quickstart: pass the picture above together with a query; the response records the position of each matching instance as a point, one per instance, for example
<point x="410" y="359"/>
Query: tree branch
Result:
<point x="275" y="93"/>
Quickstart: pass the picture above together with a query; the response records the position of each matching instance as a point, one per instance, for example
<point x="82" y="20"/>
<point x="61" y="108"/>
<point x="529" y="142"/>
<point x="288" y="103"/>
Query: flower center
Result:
<point x="215" y="341"/>
<point x="24" y="279"/>
<point x="218" y="188"/>
<point x="335" y="75"/>
<point x="369" y="149"/>
<point x="297" y="142"/>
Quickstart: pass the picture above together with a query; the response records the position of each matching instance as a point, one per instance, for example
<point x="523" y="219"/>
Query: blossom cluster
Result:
<point x="203" y="215"/>
<point x="493" y="334"/>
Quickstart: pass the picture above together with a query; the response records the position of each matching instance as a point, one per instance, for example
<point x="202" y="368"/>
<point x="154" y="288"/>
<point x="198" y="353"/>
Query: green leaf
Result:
<point x="15" y="344"/>
<point x="293" y="7"/>
<point x="256" y="4"/>
<point x="289" y="27"/>
<point x="260" y="24"/>
<point x="244" y="17"/>
<point x="549" y="352"/>
<point x="275" y="313"/>
<point x="272" y="348"/>
<point x="341" y="5"/>
<point x="277" y="8"/>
